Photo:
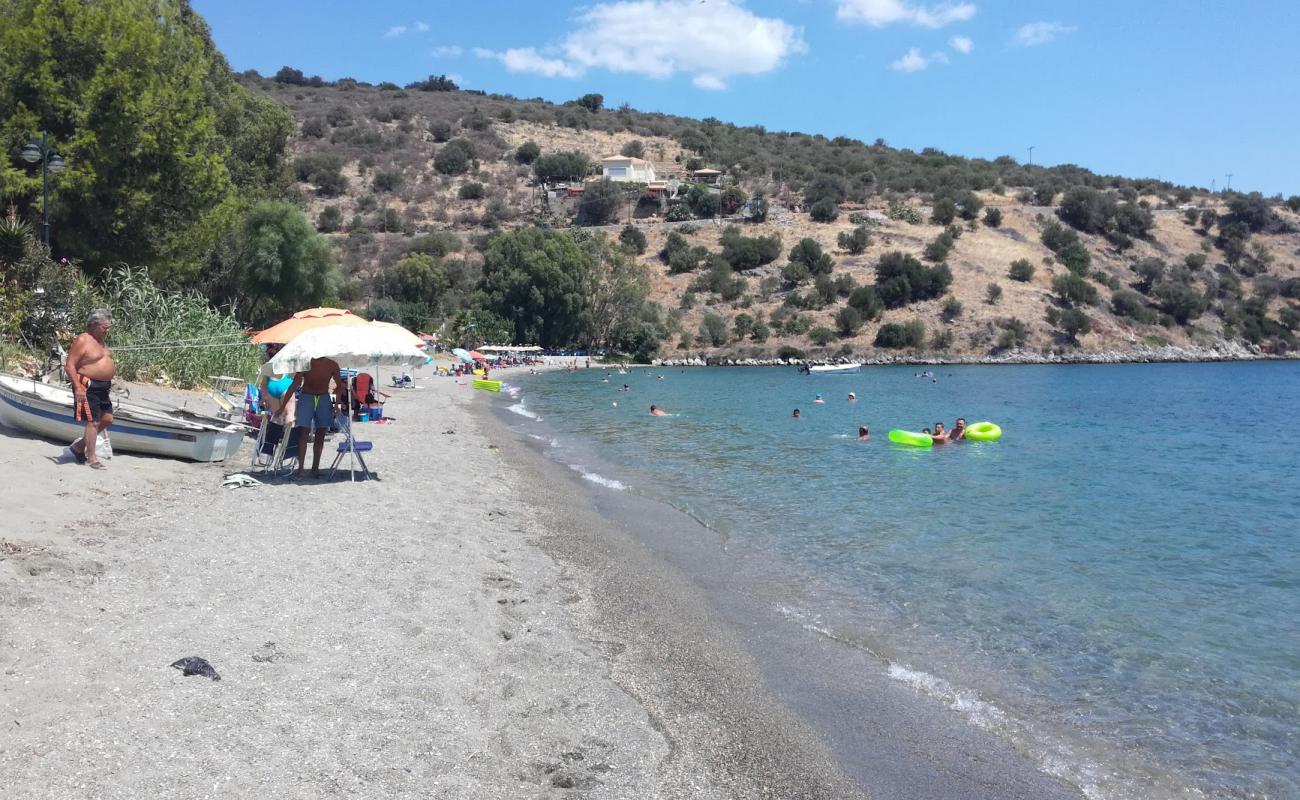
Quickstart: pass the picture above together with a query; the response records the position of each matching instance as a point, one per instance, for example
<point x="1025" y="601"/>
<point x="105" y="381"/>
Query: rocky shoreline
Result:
<point x="1224" y="351"/>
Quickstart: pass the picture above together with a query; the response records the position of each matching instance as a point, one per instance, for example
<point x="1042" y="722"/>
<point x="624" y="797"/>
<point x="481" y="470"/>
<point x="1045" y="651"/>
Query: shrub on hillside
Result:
<point x="434" y="83"/>
<point x="993" y="294"/>
<point x="809" y="253"/>
<point x="732" y="200"/>
<point x="470" y="191"/>
<point x="386" y="181"/>
<point x="1068" y="249"/>
<point x="749" y="252"/>
<point x="824" y="210"/>
<point x="1074" y="289"/>
<point x="314" y="128"/>
<point x="528" y="152"/>
<point x="821" y="335"/>
<point x="758" y="209"/>
<point x="633" y="149"/>
<point x="713" y="330"/>
<point x="1014" y="334"/>
<point x="329" y="220"/>
<point x="901" y="279"/>
<point x="787" y="353"/>
<point x="848" y="321"/>
<point x="1128" y="303"/>
<point x="943" y="212"/>
<point x="632" y="239"/>
<point x="993" y="217"/>
<point x="968" y="206"/>
<point x="1072" y="322"/>
<point x="938" y="249"/>
<point x="441" y="130"/>
<point x="855" y="241"/>
<point x="894" y="335"/>
<point x="1021" y="270"/>
<point x="600" y="203"/>
<point x="454" y="157"/>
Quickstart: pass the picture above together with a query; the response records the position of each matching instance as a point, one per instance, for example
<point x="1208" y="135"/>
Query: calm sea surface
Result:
<point x="1115" y="585"/>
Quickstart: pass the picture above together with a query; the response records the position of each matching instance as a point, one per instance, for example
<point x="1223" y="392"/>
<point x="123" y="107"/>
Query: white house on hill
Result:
<point x="626" y="168"/>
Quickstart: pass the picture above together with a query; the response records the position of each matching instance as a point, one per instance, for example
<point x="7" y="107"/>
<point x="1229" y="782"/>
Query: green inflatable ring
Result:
<point x="911" y="437"/>
<point x="983" y="432"/>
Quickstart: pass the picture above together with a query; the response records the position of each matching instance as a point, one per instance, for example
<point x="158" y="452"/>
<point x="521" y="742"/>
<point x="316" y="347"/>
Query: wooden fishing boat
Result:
<point x="834" y="369"/>
<point x="34" y="407"/>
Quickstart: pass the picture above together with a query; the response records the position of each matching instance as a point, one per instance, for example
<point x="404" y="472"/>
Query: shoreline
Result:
<point x="892" y="740"/>
<point x="1222" y="353"/>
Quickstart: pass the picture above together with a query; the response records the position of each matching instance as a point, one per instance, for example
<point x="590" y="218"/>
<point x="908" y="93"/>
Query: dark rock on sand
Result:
<point x="193" y="665"/>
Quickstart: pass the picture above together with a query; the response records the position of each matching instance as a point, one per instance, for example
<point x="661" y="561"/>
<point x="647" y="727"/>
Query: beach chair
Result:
<point x="351" y="449"/>
<point x="364" y="393"/>
<point x="275" y="446"/>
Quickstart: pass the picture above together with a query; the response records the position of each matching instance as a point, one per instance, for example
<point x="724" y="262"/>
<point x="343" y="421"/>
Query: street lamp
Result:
<point x="50" y="162"/>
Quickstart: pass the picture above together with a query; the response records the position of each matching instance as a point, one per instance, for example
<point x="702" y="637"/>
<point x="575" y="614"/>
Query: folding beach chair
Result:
<point x="276" y="445"/>
<point x="352" y="450"/>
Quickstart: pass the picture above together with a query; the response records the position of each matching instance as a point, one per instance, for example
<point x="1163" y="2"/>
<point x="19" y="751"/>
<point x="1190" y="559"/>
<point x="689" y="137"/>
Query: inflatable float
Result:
<point x="911" y="437"/>
<point x="486" y="385"/>
<point x="983" y="432"/>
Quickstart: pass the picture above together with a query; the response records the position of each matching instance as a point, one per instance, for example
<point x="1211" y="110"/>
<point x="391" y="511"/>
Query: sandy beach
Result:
<point x="423" y="635"/>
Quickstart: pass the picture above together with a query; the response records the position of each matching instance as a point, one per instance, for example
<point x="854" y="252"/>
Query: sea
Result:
<point x="1113" y="587"/>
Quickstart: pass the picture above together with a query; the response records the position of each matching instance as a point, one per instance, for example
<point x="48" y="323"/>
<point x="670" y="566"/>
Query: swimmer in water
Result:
<point x="853" y="398"/>
<point x="959" y="430"/>
<point x="939" y="435"/>
<point x="818" y="399"/>
<point x="925" y="431"/>
<point x="656" y="411"/>
<point x="627" y="388"/>
<point x="863" y="433"/>
<point x="795" y="414"/>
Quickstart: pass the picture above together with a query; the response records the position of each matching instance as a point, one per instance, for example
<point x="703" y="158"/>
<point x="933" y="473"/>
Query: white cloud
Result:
<point x="962" y="44"/>
<point x="912" y="61"/>
<point x="446" y="51"/>
<point x="938" y="57"/>
<point x="662" y="38"/>
<point x="1036" y="33"/>
<point x="395" y="31"/>
<point x="421" y="26"/>
<point x="457" y="78"/>
<point x="526" y="59"/>
<point x="879" y="13"/>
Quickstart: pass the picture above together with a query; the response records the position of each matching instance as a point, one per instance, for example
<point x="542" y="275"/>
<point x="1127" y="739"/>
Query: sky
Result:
<point x="1190" y="92"/>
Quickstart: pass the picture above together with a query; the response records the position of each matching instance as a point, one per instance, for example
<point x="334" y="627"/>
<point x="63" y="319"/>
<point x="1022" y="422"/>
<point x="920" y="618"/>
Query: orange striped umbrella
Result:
<point x="284" y="332"/>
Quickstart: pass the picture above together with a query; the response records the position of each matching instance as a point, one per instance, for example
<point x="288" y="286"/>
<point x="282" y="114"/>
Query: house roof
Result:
<point x="707" y="172"/>
<point x="636" y="161"/>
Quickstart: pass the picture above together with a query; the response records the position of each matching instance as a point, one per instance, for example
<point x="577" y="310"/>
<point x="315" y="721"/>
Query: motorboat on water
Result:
<point x="28" y="405"/>
<point x="834" y="369"/>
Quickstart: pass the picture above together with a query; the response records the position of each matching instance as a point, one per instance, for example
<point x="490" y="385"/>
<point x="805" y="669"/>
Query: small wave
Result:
<point x="984" y="714"/>
<point x="598" y="479"/>
<point x="522" y="410"/>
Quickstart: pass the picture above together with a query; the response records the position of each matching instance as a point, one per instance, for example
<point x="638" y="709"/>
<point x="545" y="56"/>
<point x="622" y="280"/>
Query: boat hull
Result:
<point x="846" y="369"/>
<point x="47" y="411"/>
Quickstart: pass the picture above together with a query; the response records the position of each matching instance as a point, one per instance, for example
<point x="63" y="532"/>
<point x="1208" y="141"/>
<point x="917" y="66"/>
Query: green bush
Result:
<point x="386" y="181"/>
<point x="824" y="210"/>
<point x="943" y="212"/>
<point x="633" y="149"/>
<point x="901" y="279"/>
<point x="797" y="325"/>
<point x="470" y="191"/>
<point x="787" y="353"/>
<point x="1073" y="322"/>
<point x="808" y="252"/>
<point x="855" y="241"/>
<point x="746" y="252"/>
<point x="993" y="294"/>
<point x="1014" y="334"/>
<point x="848" y="321"/>
<point x="713" y="330"/>
<point x="454" y="158"/>
<point x="938" y="249"/>
<point x="632" y="239"/>
<point x="760" y="332"/>
<point x="600" y="203"/>
<point x="678" y="212"/>
<point x="1128" y="303"/>
<point x="329" y="220"/>
<point x="1021" y="270"/>
<point x="968" y="206"/>
<point x="952" y="309"/>
<point x="758" y="209"/>
<point x="894" y="335"/>
<point x="528" y="152"/>
<point x="993" y="217"/>
<point x="732" y="200"/>
<point x="795" y="273"/>
<point x="563" y="166"/>
<point x="821" y="335"/>
<point x="1074" y="289"/>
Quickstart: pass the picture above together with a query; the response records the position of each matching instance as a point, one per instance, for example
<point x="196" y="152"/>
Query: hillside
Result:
<point x="385" y="142"/>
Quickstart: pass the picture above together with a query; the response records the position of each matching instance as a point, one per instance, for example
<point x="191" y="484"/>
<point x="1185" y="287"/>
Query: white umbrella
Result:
<point x="351" y="347"/>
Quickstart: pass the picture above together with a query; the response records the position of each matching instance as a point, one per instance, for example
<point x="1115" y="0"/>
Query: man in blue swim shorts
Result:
<point x="316" y="408"/>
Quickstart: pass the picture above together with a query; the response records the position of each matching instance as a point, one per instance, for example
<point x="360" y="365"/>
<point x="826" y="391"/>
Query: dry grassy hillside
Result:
<point x="386" y="142"/>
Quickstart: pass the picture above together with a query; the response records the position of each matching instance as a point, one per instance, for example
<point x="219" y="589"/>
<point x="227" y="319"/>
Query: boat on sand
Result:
<point x="29" y="405"/>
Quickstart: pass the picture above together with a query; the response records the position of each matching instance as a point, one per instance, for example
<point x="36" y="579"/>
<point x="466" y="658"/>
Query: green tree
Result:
<point x="434" y="83"/>
<point x="540" y="281"/>
<point x="743" y="325"/>
<point x="1021" y="270"/>
<point x="993" y="217"/>
<point x="528" y="152"/>
<point x="1073" y="322"/>
<point x="618" y="311"/>
<point x="633" y="239"/>
<point x="455" y="157"/>
<point x="282" y="264"/>
<point x="821" y="335"/>
<point x="600" y="203"/>
<point x="808" y="252"/>
<point x="1128" y="303"/>
<point x="761" y="331"/>
<point x="969" y="205"/>
<point x="591" y="102"/>
<point x="329" y="220"/>
<point x="867" y="302"/>
<point x="563" y="166"/>
<point x="848" y="321"/>
<point x="475" y="327"/>
<point x="901" y="279"/>
<point x="824" y="210"/>
<point x="633" y="149"/>
<point x="1073" y="289"/>
<point x="746" y="252"/>
<point x="1015" y="334"/>
<point x="416" y="278"/>
<point x="732" y="200"/>
<point x="713" y="330"/>
<point x="944" y="211"/>
<point x="162" y="144"/>
<point x="993" y="295"/>
<point x="895" y="335"/>
<point x="758" y="209"/>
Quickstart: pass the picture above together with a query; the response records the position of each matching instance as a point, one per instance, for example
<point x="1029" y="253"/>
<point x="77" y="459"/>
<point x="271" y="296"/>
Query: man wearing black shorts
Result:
<point x="91" y="369"/>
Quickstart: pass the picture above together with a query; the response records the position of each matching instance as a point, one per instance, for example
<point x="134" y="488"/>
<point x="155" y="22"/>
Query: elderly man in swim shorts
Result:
<point x="316" y="408"/>
<point x="91" y="369"/>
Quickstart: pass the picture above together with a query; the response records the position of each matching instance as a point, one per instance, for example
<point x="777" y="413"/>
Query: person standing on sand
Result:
<point x="316" y="408"/>
<point x="91" y="369"/>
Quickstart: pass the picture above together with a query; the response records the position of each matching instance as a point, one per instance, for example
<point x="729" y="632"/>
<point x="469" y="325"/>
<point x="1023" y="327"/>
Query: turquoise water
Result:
<point x="1115" y="585"/>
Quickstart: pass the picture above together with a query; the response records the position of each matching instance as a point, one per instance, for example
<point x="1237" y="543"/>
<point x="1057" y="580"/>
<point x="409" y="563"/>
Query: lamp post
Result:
<point x="50" y="162"/>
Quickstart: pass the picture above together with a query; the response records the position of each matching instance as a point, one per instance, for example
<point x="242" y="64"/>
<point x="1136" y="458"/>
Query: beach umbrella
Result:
<point x="463" y="355"/>
<point x="398" y="330"/>
<point x="477" y="356"/>
<point x="285" y="331"/>
<point x="352" y="347"/>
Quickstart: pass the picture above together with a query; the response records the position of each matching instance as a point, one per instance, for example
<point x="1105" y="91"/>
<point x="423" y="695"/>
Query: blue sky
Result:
<point x="1185" y="91"/>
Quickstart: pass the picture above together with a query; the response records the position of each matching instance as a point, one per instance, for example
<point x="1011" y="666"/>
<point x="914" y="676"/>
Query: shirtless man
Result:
<point x="939" y="435"/>
<point x="316" y="408"/>
<point x="959" y="432"/>
<point x="91" y="369"/>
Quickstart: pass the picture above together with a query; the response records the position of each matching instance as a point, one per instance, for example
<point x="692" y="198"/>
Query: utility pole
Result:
<point x="1031" y="154"/>
<point x="1213" y="181"/>
<point x="1227" y="186"/>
